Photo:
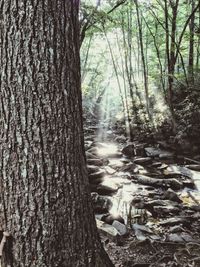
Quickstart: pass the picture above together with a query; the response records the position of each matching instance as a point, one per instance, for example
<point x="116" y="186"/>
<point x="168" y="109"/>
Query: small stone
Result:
<point x="139" y="151"/>
<point x="158" y="202"/>
<point x="150" y="188"/>
<point x="120" y="139"/>
<point x="129" y="150"/>
<point x="107" y="190"/>
<point x="152" y="151"/>
<point x="109" y="170"/>
<point x="166" y="155"/>
<point x="155" y="237"/>
<point x="96" y="175"/>
<point x="140" y="235"/>
<point x="171" y="195"/>
<point x="146" y="180"/>
<point x="97" y="181"/>
<point x="165" y="210"/>
<point x="107" y="229"/>
<point x="163" y="167"/>
<point x="115" y="164"/>
<point x="95" y="161"/>
<point x="125" y="160"/>
<point x="175" y="238"/>
<point x="92" y="150"/>
<point x="196" y="215"/>
<point x="100" y="216"/>
<point x="121" y="228"/>
<point x="89" y="137"/>
<point x="195" y="207"/>
<point x="90" y="155"/>
<point x="143" y="161"/>
<point x="156" y="164"/>
<point x="130" y="167"/>
<point x="92" y="169"/>
<point x="174" y="221"/>
<point x="142" y="228"/>
<point x="194" y="167"/>
<point x="110" y="218"/>
<point x="176" y="229"/>
<point x="101" y="204"/>
<point x="88" y="144"/>
<point x="174" y="183"/>
<point x="187" y="238"/>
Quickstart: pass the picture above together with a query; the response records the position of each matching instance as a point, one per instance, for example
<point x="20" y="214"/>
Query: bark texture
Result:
<point x="45" y="202"/>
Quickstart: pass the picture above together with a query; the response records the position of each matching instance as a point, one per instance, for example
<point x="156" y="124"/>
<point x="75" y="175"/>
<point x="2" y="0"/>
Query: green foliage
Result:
<point x="119" y="67"/>
<point x="187" y="103"/>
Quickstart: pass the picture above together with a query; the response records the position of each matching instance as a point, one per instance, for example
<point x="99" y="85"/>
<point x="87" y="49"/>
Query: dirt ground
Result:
<point x="129" y="252"/>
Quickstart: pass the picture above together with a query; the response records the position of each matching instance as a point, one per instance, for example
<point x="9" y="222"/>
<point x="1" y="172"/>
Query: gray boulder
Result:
<point x="171" y="195"/>
<point x="101" y="204"/>
<point x="121" y="228"/>
<point x="129" y="150"/>
<point x="107" y="229"/>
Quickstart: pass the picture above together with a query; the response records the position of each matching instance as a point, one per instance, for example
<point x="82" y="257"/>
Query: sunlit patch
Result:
<point x="114" y="211"/>
<point x="115" y="163"/>
<point x="112" y="183"/>
<point x="123" y="198"/>
<point x="107" y="150"/>
<point x="143" y="171"/>
<point x="124" y="175"/>
<point x="190" y="197"/>
<point x="119" y="116"/>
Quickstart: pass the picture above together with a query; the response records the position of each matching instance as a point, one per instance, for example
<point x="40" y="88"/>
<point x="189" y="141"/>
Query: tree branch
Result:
<point x="119" y="3"/>
<point x="88" y="24"/>
<point x="185" y="26"/>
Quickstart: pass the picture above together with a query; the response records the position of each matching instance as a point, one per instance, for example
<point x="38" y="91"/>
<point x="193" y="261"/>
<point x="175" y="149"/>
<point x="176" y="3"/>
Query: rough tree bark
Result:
<point x="45" y="201"/>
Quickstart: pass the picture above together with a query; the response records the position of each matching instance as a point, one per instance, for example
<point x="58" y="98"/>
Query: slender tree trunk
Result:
<point x="198" y="54"/>
<point x="123" y="73"/>
<point x="171" y="66"/>
<point x="154" y="36"/>
<point x="84" y="65"/>
<point x="183" y="66"/>
<point x="191" y="46"/>
<point x="128" y="68"/>
<point x="44" y="187"/>
<point x="198" y="42"/>
<point x="117" y="76"/>
<point x="170" y="50"/>
<point x="143" y="59"/>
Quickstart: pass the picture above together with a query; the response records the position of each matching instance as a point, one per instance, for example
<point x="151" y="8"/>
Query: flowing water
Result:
<point x="127" y="189"/>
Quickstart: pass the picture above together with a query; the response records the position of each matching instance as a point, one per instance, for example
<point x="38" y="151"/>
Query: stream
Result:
<point x="144" y="187"/>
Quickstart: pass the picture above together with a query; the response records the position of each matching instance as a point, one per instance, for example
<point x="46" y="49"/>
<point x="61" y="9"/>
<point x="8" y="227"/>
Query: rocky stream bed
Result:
<point x="146" y="200"/>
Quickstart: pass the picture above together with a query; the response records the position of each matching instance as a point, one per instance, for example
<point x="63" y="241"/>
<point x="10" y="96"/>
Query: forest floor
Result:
<point x="146" y="200"/>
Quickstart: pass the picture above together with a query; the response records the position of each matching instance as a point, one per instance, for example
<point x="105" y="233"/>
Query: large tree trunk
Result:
<point x="44" y="187"/>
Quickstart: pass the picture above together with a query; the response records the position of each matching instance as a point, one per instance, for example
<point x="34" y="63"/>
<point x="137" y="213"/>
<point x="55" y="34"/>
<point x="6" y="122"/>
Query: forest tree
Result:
<point x="45" y="200"/>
